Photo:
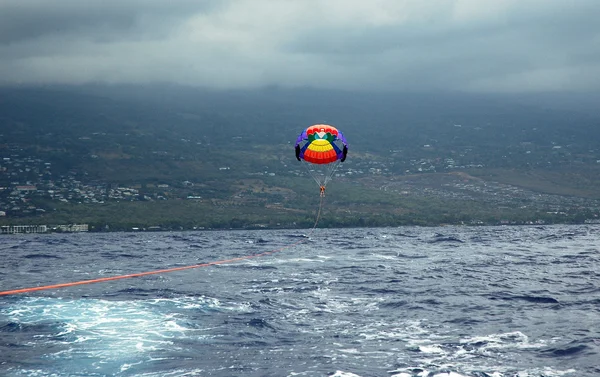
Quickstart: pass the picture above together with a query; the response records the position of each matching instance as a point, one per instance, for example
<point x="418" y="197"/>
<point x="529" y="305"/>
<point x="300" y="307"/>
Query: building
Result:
<point x="71" y="228"/>
<point x="26" y="188"/>
<point x="12" y="229"/>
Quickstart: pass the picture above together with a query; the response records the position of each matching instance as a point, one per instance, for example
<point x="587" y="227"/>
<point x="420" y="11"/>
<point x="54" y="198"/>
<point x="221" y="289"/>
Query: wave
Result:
<point x="42" y="256"/>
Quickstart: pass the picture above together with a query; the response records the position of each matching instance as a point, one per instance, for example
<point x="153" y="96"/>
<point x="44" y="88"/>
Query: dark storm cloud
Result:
<point x="446" y="52"/>
<point x="22" y="20"/>
<point x="492" y="45"/>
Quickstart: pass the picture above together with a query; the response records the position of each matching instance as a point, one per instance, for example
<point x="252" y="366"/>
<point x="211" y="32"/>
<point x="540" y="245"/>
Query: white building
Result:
<point x="11" y="229"/>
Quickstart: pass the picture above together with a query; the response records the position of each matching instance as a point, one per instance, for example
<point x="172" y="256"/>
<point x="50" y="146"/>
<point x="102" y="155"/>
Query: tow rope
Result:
<point x="166" y="270"/>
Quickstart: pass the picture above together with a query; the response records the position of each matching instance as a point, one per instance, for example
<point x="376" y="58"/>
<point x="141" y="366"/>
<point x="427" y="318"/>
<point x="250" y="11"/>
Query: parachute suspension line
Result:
<point x="329" y="176"/>
<point x="166" y="270"/>
<point x="328" y="172"/>
<point x="312" y="173"/>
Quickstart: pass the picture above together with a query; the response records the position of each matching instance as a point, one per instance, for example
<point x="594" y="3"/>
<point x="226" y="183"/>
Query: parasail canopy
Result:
<point x="321" y="144"/>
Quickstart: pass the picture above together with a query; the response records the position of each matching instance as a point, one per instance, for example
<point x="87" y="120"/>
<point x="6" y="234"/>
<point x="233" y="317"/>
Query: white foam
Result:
<point x="427" y="373"/>
<point x="432" y="349"/>
<point x="514" y="339"/>
<point x="460" y="357"/>
<point x="339" y="373"/>
<point x="111" y="335"/>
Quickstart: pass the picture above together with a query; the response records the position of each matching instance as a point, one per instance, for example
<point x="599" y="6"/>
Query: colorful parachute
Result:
<point x="321" y="148"/>
<point x="321" y="144"/>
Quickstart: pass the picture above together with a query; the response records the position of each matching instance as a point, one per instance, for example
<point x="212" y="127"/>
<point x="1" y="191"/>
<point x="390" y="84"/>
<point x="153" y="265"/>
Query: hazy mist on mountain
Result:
<point x="275" y="115"/>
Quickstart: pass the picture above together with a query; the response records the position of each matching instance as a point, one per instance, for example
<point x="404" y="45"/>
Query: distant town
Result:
<point x="70" y="228"/>
<point x="25" y="178"/>
<point x="29" y="180"/>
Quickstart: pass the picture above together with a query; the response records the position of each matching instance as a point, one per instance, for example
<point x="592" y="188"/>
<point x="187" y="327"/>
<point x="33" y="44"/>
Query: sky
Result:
<point x="506" y="46"/>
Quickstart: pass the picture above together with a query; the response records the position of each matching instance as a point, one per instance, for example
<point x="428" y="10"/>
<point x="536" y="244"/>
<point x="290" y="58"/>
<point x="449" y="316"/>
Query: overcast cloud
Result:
<point x="404" y="45"/>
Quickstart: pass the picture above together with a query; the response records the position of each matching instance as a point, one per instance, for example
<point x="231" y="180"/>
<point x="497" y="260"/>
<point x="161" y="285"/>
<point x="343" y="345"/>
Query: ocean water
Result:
<point x="410" y="301"/>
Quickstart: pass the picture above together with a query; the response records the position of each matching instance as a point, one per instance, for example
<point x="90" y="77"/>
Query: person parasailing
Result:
<point x="324" y="147"/>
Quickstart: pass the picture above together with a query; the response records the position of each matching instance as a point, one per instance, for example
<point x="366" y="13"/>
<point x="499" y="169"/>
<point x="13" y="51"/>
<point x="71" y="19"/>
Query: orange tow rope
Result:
<point x="163" y="271"/>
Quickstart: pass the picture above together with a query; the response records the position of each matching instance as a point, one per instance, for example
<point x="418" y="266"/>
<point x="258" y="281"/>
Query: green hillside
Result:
<point x="178" y="158"/>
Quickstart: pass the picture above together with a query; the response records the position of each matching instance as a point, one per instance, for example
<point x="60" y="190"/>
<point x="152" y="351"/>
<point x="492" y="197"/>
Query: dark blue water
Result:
<point x="444" y="302"/>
